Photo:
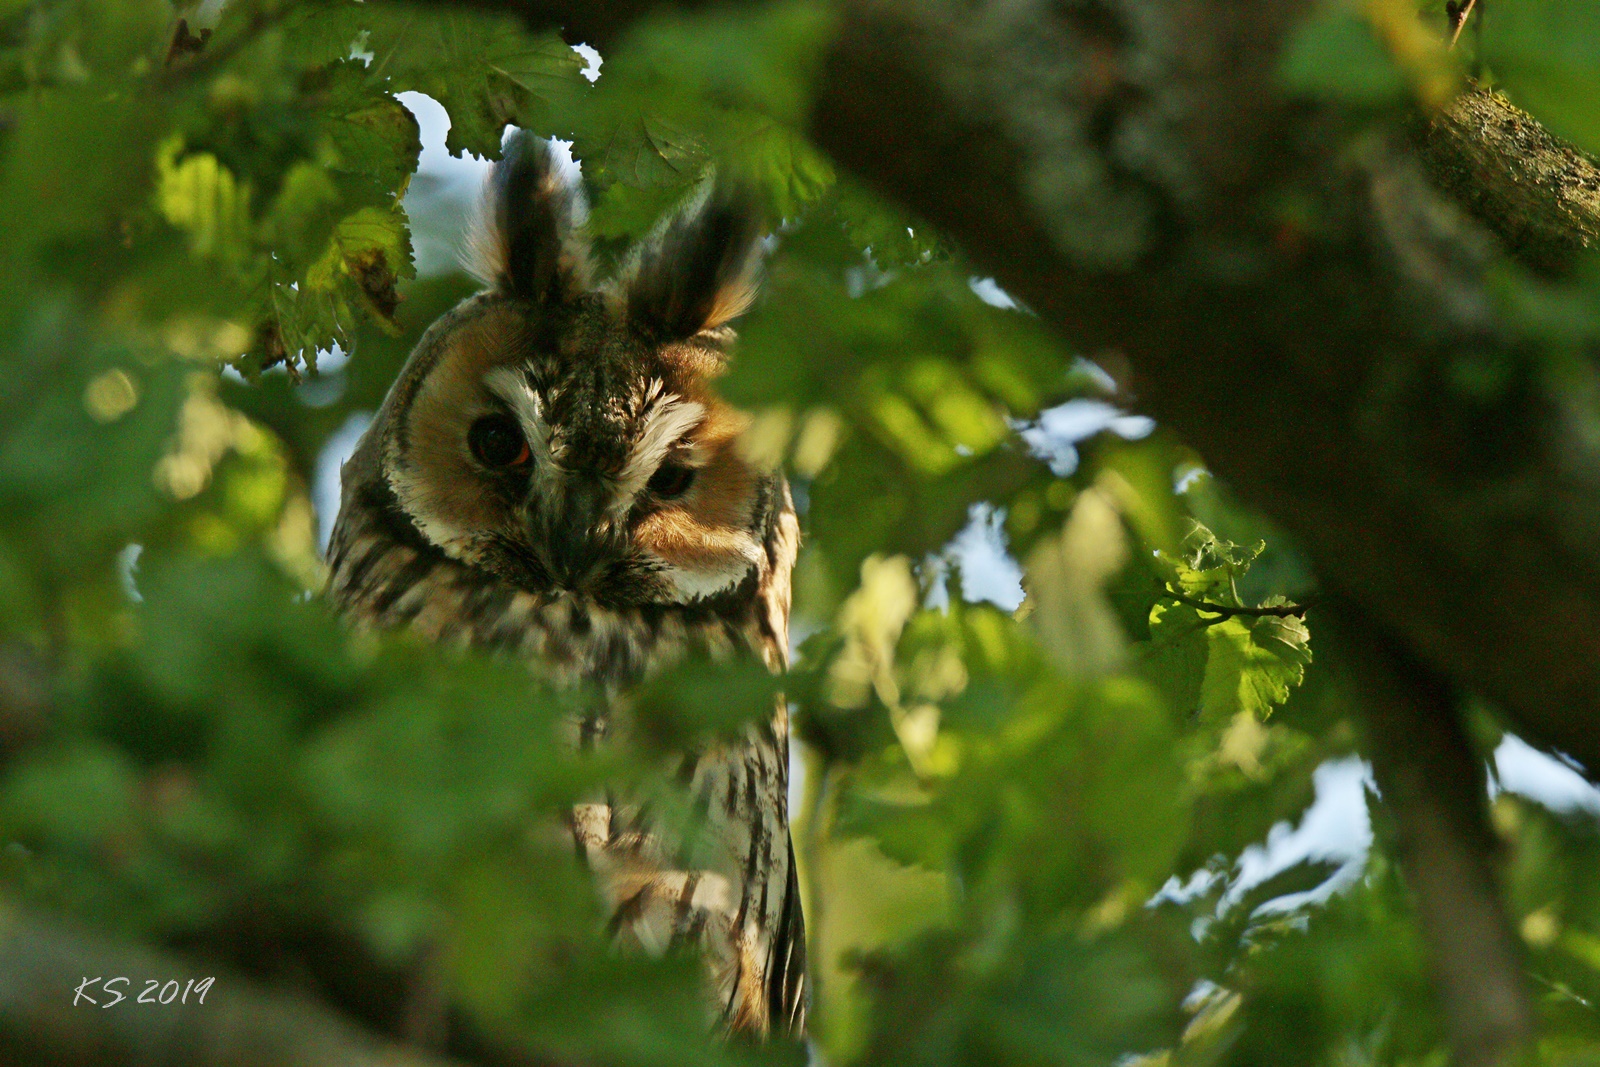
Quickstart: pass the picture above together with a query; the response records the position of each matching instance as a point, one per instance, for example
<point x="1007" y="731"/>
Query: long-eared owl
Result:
<point x="553" y="475"/>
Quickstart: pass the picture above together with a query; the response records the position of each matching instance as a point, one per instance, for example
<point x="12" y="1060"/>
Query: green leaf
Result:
<point x="73" y="797"/>
<point x="200" y="196"/>
<point x="1336" y="55"/>
<point x="1175" y="658"/>
<point x="638" y="150"/>
<point x="371" y="247"/>
<point x="1251" y="665"/>
<point x="632" y="211"/>
<point x="701" y="699"/>
<point x="369" y="134"/>
<point x="1547" y="55"/>
<point x="1066" y="584"/>
<point x="486" y="71"/>
<point x="776" y="161"/>
<point x="76" y="166"/>
<point x="1208" y="662"/>
<point x="1134" y="793"/>
<point x="367" y="253"/>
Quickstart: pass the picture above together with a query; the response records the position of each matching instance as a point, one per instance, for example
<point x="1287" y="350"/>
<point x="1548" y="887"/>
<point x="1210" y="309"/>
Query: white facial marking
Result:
<point x="409" y="489"/>
<point x="510" y="385"/>
<point x="668" y="419"/>
<point x="692" y="584"/>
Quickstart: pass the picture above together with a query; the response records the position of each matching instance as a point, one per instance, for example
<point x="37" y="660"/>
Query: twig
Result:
<point x="1278" y="611"/>
<point x="204" y="58"/>
<point x="1458" y="15"/>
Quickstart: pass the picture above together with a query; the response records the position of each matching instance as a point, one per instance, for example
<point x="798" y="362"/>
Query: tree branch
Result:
<point x="1119" y="166"/>
<point x="239" y="1025"/>
<point x="1539" y="195"/>
<point x="1433" y="786"/>
<point x="1458" y="19"/>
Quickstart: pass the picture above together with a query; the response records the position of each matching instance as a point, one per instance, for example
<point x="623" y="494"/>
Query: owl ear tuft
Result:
<point x="698" y="271"/>
<point x="526" y="242"/>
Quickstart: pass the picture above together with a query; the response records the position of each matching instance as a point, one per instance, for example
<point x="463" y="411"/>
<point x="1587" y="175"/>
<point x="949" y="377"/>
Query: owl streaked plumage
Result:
<point x="553" y="475"/>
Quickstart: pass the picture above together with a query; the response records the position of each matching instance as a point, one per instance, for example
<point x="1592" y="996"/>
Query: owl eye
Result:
<point x="497" y="442"/>
<point x="671" y="481"/>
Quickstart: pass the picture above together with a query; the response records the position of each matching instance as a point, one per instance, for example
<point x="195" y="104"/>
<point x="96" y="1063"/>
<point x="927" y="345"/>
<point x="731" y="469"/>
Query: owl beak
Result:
<point x="574" y="545"/>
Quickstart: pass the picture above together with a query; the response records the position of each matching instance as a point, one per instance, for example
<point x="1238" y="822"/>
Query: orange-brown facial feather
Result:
<point x="702" y="358"/>
<point x="430" y="468"/>
<point x="707" y="532"/>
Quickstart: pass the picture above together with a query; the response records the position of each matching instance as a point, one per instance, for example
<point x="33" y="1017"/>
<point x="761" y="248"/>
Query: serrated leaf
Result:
<point x="1251" y="665"/>
<point x="369" y="133"/>
<point x="372" y="239"/>
<point x="639" y="149"/>
<point x="776" y="161"/>
<point x="486" y="71"/>
<point x="1208" y="568"/>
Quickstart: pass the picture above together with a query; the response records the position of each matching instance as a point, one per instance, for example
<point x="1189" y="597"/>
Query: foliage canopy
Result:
<point x="1022" y="832"/>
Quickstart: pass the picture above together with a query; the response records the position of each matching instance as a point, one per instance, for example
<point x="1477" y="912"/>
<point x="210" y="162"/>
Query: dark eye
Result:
<point x="671" y="481"/>
<point x="497" y="442"/>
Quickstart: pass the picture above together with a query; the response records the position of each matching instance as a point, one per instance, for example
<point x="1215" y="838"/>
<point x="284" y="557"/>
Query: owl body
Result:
<point x="553" y="476"/>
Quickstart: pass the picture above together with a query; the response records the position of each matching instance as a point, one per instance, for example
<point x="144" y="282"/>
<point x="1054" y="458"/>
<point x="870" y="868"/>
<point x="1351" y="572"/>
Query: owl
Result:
<point x="553" y="476"/>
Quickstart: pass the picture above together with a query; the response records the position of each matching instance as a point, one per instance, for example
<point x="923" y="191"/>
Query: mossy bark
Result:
<point x="1539" y="195"/>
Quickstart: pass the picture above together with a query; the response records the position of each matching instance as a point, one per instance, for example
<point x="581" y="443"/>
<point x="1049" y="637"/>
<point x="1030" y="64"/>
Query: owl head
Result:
<point x="562" y="433"/>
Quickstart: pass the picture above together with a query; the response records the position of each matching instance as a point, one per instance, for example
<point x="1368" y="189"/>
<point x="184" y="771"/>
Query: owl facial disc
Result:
<point x="564" y="435"/>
